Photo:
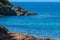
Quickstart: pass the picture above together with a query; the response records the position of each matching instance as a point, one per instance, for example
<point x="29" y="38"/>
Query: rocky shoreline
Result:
<point x="6" y="35"/>
<point x="7" y="9"/>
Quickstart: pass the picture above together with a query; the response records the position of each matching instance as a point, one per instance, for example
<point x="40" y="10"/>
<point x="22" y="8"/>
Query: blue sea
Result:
<point x="46" y="24"/>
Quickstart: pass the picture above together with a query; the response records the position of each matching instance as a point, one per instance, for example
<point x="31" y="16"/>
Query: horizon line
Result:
<point x="26" y="1"/>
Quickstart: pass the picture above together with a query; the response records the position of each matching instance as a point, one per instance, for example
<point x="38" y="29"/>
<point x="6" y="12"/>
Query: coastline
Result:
<point x="6" y="35"/>
<point x="7" y="9"/>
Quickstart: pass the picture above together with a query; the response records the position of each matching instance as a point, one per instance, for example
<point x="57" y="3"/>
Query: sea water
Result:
<point x="46" y="24"/>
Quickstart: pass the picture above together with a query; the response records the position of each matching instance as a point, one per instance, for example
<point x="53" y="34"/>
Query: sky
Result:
<point x="34" y="0"/>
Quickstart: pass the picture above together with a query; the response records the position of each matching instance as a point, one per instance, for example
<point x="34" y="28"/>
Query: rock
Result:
<point x="16" y="8"/>
<point x="19" y="13"/>
<point x="30" y="13"/>
<point x="14" y="11"/>
<point x="3" y="34"/>
<point x="44" y="39"/>
<point x="23" y="11"/>
<point x="3" y="29"/>
<point x="10" y="12"/>
<point x="7" y="9"/>
<point x="6" y="35"/>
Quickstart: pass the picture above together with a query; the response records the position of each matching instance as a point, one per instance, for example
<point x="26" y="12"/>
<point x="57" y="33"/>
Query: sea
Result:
<point x="46" y="24"/>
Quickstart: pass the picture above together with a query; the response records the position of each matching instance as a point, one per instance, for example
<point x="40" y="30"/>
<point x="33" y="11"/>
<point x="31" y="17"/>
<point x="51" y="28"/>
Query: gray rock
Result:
<point x="20" y="13"/>
<point x="17" y="8"/>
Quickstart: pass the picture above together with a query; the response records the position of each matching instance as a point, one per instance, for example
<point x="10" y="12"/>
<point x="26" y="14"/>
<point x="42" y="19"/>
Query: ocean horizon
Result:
<point x="46" y="24"/>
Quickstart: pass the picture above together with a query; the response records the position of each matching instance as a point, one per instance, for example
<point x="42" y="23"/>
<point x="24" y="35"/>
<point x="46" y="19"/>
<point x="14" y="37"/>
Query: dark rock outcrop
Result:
<point x="6" y="35"/>
<point x="7" y="9"/>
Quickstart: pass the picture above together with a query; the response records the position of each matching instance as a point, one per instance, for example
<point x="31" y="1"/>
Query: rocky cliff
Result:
<point x="6" y="35"/>
<point x="7" y="9"/>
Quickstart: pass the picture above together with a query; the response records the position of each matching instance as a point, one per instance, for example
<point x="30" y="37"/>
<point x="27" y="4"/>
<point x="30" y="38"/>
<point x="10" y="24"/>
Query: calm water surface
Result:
<point x="46" y="24"/>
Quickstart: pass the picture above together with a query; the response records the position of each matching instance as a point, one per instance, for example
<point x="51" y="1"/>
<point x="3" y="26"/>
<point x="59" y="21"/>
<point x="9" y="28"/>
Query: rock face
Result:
<point x="6" y="9"/>
<point x="6" y="35"/>
<point x="3" y="34"/>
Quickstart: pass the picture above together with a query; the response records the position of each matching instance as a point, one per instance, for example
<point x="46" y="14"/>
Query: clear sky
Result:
<point x="34" y="0"/>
